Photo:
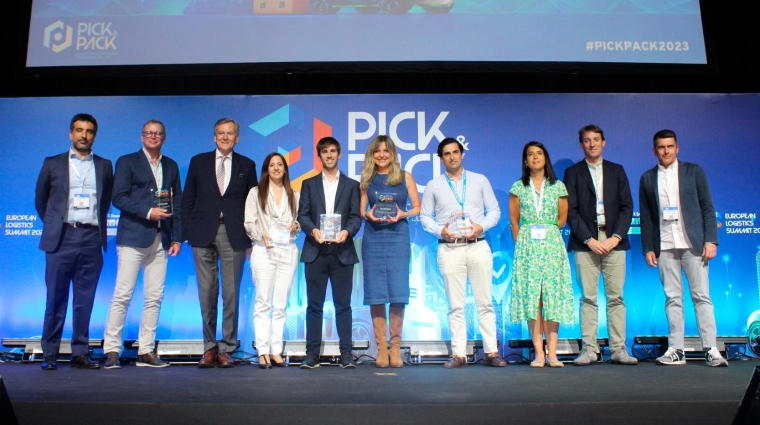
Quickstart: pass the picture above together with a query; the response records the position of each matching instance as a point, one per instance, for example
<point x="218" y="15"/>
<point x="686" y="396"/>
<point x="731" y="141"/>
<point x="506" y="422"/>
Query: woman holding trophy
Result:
<point x="270" y="221"/>
<point x="385" y="191"/>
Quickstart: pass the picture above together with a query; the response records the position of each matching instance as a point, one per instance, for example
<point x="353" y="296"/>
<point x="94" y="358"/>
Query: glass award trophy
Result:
<point x="163" y="199"/>
<point x="460" y="225"/>
<point x="329" y="226"/>
<point x="385" y="207"/>
<point x="279" y="232"/>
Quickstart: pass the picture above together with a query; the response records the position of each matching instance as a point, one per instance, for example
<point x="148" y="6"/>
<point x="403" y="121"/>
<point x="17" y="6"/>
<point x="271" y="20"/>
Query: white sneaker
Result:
<point x="714" y="359"/>
<point x="672" y="357"/>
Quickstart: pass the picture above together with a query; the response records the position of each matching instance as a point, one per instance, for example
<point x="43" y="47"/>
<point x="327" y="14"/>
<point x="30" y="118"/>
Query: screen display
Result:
<point x="162" y="32"/>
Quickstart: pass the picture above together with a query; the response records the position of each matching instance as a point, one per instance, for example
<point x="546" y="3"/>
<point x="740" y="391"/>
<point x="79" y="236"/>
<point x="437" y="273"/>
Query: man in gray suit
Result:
<point x="679" y="231"/>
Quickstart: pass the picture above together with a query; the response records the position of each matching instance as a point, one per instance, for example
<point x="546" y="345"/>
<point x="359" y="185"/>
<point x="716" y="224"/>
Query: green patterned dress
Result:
<point x="541" y="266"/>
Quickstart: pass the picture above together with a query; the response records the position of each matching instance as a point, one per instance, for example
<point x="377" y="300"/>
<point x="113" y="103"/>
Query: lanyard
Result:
<point x="76" y="171"/>
<point x="537" y="200"/>
<point x="454" y="191"/>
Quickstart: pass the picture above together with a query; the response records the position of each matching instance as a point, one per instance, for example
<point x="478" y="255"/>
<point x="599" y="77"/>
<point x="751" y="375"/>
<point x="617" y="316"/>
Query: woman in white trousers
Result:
<point x="270" y="221"/>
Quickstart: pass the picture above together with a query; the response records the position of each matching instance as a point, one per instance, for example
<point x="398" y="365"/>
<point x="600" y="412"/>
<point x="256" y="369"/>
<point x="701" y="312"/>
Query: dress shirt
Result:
<point x="597" y="176"/>
<point x="227" y="167"/>
<point x="672" y="234"/>
<point x="439" y="202"/>
<point x="158" y="175"/>
<point x="331" y="189"/>
<point x="82" y="180"/>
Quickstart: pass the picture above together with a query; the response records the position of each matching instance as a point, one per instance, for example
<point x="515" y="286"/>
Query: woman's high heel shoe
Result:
<point x="264" y="363"/>
<point x="278" y="364"/>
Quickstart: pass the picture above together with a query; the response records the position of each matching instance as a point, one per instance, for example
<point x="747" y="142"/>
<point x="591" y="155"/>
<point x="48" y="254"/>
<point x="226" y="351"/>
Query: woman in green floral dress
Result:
<point x="542" y="291"/>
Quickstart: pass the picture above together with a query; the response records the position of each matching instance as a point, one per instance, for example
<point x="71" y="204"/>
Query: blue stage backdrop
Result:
<point x="720" y="132"/>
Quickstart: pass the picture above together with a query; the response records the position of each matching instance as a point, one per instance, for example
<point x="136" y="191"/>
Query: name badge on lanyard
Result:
<point x="538" y="231"/>
<point x="670" y="214"/>
<point x="81" y="201"/>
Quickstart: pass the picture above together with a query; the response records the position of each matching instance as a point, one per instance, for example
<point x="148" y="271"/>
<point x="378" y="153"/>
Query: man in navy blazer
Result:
<point x="73" y="195"/>
<point x="329" y="192"/>
<point x="213" y="212"/>
<point x="679" y="231"/>
<point x="147" y="191"/>
<point x="599" y="213"/>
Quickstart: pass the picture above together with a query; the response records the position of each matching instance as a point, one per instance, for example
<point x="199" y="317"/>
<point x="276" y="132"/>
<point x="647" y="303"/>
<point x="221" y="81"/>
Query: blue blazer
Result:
<point x="202" y="203"/>
<point x="51" y="198"/>
<point x="133" y="188"/>
<point x="581" y="214"/>
<point x="697" y="208"/>
<point x="312" y="205"/>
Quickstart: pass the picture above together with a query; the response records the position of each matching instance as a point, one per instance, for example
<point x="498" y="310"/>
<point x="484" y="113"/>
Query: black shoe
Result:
<point x="150" y="360"/>
<point x="49" y="363"/>
<point x="278" y="364"/>
<point x="347" y="360"/>
<point x="310" y="362"/>
<point x="112" y="361"/>
<point x="84" y="362"/>
<point x="264" y="363"/>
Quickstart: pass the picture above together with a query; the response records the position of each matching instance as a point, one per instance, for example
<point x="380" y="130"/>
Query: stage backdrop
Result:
<point x="720" y="132"/>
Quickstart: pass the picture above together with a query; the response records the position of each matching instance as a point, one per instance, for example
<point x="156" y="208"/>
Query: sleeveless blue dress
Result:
<point x="386" y="250"/>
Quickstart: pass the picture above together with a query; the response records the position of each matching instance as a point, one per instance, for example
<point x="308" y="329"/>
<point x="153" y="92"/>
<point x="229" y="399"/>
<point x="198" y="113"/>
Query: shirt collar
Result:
<point x="150" y="160"/>
<point x="73" y="155"/>
<point x="324" y="178"/>
<point x="219" y="154"/>
<point x="595" y="166"/>
<point x="673" y="166"/>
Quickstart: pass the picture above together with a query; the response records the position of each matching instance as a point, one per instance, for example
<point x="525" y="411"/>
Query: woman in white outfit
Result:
<point x="270" y="221"/>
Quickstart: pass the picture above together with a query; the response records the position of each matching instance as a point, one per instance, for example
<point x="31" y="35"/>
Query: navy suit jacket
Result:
<point x="202" y="203"/>
<point x="51" y="198"/>
<point x="697" y="208"/>
<point x="581" y="214"/>
<point x="312" y="205"/>
<point x="133" y="190"/>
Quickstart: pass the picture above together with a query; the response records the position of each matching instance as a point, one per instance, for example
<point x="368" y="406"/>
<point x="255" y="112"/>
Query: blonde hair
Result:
<point x="369" y="169"/>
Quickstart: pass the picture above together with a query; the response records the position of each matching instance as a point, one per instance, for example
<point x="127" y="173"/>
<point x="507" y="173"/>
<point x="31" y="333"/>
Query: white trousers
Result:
<point x="457" y="263"/>
<point x="273" y="280"/>
<point x="152" y="260"/>
<point x="670" y="263"/>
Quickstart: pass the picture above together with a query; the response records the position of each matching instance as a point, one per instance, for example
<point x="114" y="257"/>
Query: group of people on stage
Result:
<point x="226" y="213"/>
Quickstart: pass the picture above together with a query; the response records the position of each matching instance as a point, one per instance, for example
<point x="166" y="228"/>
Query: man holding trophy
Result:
<point x="147" y="191"/>
<point x="328" y="213"/>
<point x="459" y="207"/>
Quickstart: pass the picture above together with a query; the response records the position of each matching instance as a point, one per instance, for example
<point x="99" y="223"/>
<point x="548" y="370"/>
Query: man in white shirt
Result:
<point x="459" y="207"/>
<point x="679" y="231"/>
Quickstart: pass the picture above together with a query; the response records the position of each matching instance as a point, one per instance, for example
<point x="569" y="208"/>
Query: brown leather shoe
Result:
<point x="455" y="362"/>
<point x="494" y="359"/>
<point x="208" y="361"/>
<point x="225" y="361"/>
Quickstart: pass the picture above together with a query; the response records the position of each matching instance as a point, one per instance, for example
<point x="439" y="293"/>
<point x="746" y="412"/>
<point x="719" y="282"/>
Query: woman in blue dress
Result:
<point x="385" y="190"/>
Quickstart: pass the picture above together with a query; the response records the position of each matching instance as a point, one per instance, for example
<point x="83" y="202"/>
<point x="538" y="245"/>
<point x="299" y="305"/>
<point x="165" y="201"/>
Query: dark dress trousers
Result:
<point x="618" y="204"/>
<point x="212" y="223"/>
<point x="71" y="254"/>
<point x="329" y="261"/>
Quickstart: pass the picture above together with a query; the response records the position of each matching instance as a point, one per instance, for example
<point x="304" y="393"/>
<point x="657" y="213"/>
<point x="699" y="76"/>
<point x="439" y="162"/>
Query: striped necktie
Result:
<point x="220" y="175"/>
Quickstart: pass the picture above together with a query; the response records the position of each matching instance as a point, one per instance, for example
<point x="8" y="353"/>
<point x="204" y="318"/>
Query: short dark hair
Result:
<point x="664" y="134"/>
<point x="448" y="141"/>
<point x="225" y="121"/>
<point x="548" y="169"/>
<point x="593" y="128"/>
<point x="86" y="118"/>
<point x="327" y="141"/>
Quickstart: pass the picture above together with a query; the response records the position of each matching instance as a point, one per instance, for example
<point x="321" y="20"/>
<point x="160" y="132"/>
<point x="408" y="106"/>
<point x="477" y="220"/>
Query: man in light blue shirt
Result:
<point x="458" y="207"/>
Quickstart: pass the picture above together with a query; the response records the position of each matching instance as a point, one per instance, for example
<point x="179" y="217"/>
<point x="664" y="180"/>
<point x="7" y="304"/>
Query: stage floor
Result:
<point x="422" y="394"/>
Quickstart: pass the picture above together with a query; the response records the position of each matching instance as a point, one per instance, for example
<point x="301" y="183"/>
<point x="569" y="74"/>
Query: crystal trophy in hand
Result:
<point x="329" y="226"/>
<point x="385" y="207"/>
<point x="163" y="199"/>
<point x="460" y="225"/>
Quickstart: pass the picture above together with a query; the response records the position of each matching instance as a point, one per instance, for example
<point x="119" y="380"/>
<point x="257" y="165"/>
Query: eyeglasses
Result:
<point x="153" y="133"/>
